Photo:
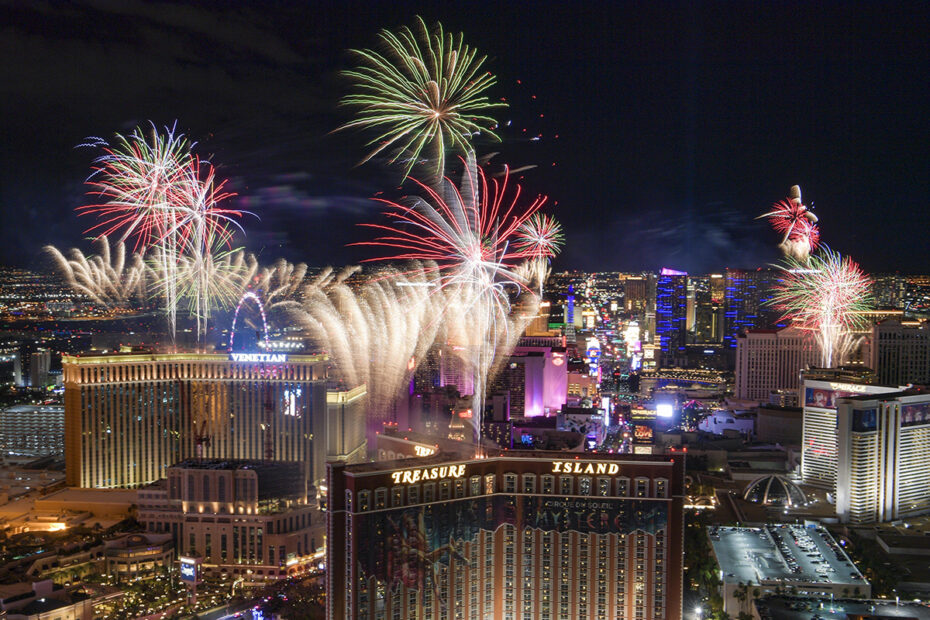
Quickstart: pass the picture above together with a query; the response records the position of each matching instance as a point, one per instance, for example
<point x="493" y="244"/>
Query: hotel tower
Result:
<point x="128" y="417"/>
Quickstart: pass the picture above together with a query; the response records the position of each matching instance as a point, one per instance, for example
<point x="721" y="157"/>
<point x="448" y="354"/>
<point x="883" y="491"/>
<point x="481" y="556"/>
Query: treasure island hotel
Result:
<point x="129" y="417"/>
<point x="514" y="536"/>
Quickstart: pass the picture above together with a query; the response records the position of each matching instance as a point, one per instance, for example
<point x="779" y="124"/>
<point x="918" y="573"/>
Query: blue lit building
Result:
<point x="672" y="316"/>
<point x="747" y="302"/>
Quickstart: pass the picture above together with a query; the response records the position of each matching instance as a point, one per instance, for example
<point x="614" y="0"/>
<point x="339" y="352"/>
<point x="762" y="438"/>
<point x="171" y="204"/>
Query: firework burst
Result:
<point x="107" y="278"/>
<point x="150" y="188"/>
<point x="540" y="238"/>
<point x="425" y="92"/>
<point x="371" y="329"/>
<point x="827" y="295"/>
<point x="796" y="223"/>
<point x="468" y="232"/>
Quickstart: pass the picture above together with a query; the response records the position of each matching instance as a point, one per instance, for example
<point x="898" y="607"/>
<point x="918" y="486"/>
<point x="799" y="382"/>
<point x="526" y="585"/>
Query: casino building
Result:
<point x="128" y="417"/>
<point x="513" y="536"/>
<point x="883" y="447"/>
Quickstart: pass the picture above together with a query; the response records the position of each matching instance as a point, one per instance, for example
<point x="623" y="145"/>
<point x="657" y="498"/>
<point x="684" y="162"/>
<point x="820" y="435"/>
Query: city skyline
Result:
<point x="422" y="310"/>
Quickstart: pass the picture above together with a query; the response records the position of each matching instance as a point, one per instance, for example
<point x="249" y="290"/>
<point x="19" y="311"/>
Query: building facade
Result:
<point x="747" y="298"/>
<point x="883" y="448"/>
<point x="529" y="535"/>
<point x="672" y="316"/>
<point x="820" y="390"/>
<point x="900" y="352"/>
<point x="772" y="359"/>
<point x="242" y="519"/>
<point x="129" y="417"/>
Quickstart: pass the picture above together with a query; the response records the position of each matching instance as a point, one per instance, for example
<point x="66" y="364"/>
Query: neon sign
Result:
<point x="261" y="309"/>
<point x="412" y="476"/>
<point x="258" y="357"/>
<point x="575" y="467"/>
<point x="423" y="450"/>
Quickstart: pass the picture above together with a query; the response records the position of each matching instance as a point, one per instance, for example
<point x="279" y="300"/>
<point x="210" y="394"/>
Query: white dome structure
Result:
<point x="774" y="490"/>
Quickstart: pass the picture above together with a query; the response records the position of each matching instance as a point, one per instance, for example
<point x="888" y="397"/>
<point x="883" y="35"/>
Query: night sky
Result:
<point x="677" y="124"/>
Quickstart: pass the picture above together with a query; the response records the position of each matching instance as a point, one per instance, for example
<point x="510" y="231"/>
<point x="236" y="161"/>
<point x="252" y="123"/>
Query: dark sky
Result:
<point x="677" y="123"/>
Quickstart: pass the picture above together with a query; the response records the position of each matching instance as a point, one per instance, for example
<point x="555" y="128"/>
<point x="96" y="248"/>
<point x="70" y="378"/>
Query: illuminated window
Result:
<point x="445" y="489"/>
<point x="489" y="484"/>
<point x="584" y="485"/>
<point x="566" y="485"/>
<point x="475" y="484"/>
<point x="548" y="484"/>
<point x="380" y="498"/>
<point x="413" y="494"/>
<point x="397" y="496"/>
<point x="623" y="487"/>
<point x="510" y="483"/>
<point x="529" y="483"/>
<point x="642" y="487"/>
<point x="429" y="492"/>
<point x="363" y="501"/>
<point x="603" y="487"/>
<point x="661" y="487"/>
<point x="459" y="487"/>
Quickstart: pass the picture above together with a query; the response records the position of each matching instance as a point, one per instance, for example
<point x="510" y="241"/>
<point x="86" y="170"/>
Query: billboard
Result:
<point x="915" y="414"/>
<point x="642" y="433"/>
<point x="824" y="398"/>
<point x="409" y="546"/>
<point x="864" y="421"/>
<point x="189" y="570"/>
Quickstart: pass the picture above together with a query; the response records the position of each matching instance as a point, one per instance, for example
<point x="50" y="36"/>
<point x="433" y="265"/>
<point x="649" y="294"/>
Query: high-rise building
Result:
<point x="535" y="377"/>
<point x="248" y="520"/>
<point x="455" y="369"/>
<point x="769" y="360"/>
<point x="129" y="417"/>
<point x="883" y="447"/>
<point x="39" y="364"/>
<point x="671" y="316"/>
<point x="820" y="389"/>
<point x="889" y="290"/>
<point x="900" y="352"/>
<point x="747" y="302"/>
<point x="708" y="308"/>
<point x="529" y="535"/>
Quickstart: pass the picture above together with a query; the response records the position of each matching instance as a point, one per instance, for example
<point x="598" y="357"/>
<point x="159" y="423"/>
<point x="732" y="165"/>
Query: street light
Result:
<point x="698" y="611"/>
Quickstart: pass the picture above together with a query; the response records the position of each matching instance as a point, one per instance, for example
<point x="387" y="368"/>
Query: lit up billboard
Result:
<point x="189" y="570"/>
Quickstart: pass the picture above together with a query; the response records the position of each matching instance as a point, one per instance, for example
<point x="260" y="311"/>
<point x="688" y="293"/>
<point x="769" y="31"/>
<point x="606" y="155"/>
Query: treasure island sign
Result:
<point x="419" y="474"/>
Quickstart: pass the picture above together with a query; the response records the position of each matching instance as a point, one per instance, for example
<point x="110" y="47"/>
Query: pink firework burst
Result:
<point x="469" y="231"/>
<point x="794" y="220"/>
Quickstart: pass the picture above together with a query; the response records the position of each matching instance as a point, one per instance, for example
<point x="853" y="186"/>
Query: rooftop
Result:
<point x="122" y="358"/>
<point x="794" y="608"/>
<point x="84" y="496"/>
<point x="790" y="554"/>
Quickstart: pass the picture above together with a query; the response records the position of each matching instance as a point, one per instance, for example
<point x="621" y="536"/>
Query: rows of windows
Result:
<point x="428" y="492"/>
